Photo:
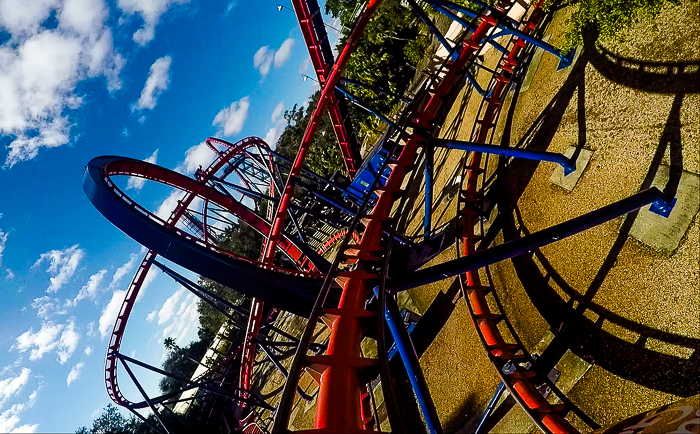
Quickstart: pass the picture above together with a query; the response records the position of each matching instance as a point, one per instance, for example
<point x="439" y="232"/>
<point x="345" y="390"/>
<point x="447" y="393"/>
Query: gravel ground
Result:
<point x="623" y="126"/>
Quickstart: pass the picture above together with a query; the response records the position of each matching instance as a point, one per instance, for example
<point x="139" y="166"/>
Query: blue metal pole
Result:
<point x="494" y="399"/>
<point x="275" y="361"/>
<point x="661" y="204"/>
<point x="569" y="164"/>
<point x="507" y="27"/>
<point x="565" y="59"/>
<point x="475" y="84"/>
<point x="357" y="102"/>
<point x="327" y="198"/>
<point x="433" y="29"/>
<point x="428" y="214"/>
<point x="374" y="89"/>
<point x="410" y="360"/>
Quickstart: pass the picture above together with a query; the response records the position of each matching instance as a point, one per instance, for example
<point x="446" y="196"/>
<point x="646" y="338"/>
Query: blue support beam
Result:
<point x="565" y="59"/>
<point x="410" y="360"/>
<point x="494" y="399"/>
<point x="374" y="89"/>
<point x="428" y="213"/>
<point x="367" y="108"/>
<point x="528" y="243"/>
<point x="567" y="163"/>
<point x="420" y="13"/>
<point x="508" y="27"/>
<point x="475" y="84"/>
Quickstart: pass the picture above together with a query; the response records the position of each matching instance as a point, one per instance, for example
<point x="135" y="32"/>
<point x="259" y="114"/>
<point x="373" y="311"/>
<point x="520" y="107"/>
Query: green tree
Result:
<point x="385" y="56"/>
<point x="181" y="362"/>
<point x="111" y="421"/>
<point x="324" y="155"/>
<point x="610" y="17"/>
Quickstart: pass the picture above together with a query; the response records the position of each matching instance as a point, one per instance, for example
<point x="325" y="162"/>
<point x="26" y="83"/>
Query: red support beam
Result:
<point x="326" y="96"/>
<point x="314" y="38"/>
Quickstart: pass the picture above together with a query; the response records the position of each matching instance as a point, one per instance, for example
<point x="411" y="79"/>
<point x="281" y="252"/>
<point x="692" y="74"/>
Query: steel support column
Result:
<point x="567" y="163"/>
<point x="528" y="243"/>
<point x="410" y="361"/>
<point x="428" y="212"/>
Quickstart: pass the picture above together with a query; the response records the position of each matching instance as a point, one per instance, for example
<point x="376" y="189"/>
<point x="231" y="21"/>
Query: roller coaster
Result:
<point x="304" y="217"/>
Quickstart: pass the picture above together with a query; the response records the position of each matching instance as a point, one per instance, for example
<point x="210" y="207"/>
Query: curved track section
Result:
<point x="313" y="29"/>
<point x="342" y="371"/>
<point x="102" y="190"/>
<point x="510" y="358"/>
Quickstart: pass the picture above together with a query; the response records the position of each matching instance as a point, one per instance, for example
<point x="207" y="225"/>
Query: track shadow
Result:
<point x="513" y="176"/>
<point x="573" y="330"/>
<point x="653" y="77"/>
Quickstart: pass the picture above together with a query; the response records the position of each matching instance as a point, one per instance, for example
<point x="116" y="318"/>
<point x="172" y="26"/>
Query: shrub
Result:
<point x="610" y="16"/>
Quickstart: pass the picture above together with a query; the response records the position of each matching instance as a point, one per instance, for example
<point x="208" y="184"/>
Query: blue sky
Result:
<point x="138" y="78"/>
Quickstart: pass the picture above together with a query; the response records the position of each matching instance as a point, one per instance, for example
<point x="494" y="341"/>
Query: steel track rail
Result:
<point x="111" y="381"/>
<point x="523" y="377"/>
<point x="342" y="370"/>
<point x="316" y="39"/>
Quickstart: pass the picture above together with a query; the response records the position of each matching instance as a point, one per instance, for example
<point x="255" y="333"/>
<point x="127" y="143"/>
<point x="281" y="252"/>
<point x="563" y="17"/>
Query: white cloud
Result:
<point x="41" y="342"/>
<point x="197" y="155"/>
<point x="110" y="312"/>
<point x="262" y="60"/>
<point x="231" y="119"/>
<point x="232" y="4"/>
<point x="137" y="184"/>
<point x="168" y="205"/>
<point x="277" y="112"/>
<point x="166" y="312"/>
<point x="150" y="277"/>
<point x="9" y="419"/>
<point x="41" y="69"/>
<point x="68" y="343"/>
<point x="304" y="66"/>
<point x="47" y="339"/>
<point x="265" y="57"/>
<point x="273" y="134"/>
<point x="87" y="350"/>
<point x="83" y="16"/>
<point x="25" y="428"/>
<point x="150" y="12"/>
<point x="22" y="19"/>
<point x="3" y="240"/>
<point x="91" y="329"/>
<point x="9" y="274"/>
<point x="74" y="373"/>
<point x="47" y="306"/>
<point x="12" y="385"/>
<point x="184" y="321"/>
<point x="157" y="82"/>
<point x="283" y="52"/>
<point x="121" y="271"/>
<point x="63" y="264"/>
<point x="151" y="316"/>
<point x="90" y="289"/>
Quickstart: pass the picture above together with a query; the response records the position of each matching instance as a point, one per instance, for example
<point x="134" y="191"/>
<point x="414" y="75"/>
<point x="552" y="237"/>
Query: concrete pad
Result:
<point x="665" y="234"/>
<point x="532" y="68"/>
<point x="569" y="182"/>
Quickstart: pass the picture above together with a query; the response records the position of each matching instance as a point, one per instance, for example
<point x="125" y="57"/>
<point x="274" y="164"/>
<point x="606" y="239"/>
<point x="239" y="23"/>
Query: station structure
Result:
<point x="302" y="217"/>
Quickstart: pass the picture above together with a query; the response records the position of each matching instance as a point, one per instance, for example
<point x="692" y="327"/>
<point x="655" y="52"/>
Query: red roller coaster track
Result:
<point x="316" y="39"/>
<point x="193" y="189"/>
